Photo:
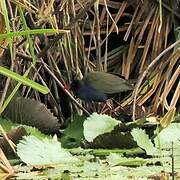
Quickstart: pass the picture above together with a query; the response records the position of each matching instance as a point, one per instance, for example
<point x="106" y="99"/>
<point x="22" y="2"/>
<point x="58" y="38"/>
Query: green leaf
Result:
<point x="34" y="132"/>
<point x="7" y="125"/>
<point x="75" y="128"/>
<point x="32" y="113"/>
<point x="98" y="124"/>
<point x="143" y="141"/>
<point x="73" y="134"/>
<point x="169" y="135"/>
<point x="116" y="159"/>
<point x="34" y="151"/>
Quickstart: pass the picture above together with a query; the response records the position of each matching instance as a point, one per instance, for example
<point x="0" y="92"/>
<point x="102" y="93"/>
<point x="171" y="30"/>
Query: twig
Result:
<point x="172" y="160"/>
<point x="4" y="164"/>
<point x="140" y="79"/>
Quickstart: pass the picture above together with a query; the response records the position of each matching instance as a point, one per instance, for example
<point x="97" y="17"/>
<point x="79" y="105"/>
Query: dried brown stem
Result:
<point x="140" y="79"/>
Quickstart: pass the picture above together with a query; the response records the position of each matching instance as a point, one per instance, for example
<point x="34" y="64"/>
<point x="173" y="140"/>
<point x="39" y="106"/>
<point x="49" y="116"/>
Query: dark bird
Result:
<point x="97" y="86"/>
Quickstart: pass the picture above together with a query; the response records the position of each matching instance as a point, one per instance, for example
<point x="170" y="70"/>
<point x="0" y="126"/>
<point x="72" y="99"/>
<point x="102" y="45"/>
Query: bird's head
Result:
<point x="76" y="85"/>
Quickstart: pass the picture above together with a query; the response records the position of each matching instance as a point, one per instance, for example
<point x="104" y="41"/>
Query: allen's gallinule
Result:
<point x="97" y="86"/>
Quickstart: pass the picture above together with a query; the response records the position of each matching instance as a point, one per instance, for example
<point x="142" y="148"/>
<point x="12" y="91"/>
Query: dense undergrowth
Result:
<point x="45" y="45"/>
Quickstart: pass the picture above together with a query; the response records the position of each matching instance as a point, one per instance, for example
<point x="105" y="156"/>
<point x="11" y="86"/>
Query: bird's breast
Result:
<point x="88" y="93"/>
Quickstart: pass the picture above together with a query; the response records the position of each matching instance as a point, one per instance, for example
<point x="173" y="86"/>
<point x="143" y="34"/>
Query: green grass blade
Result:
<point x="31" y="32"/>
<point x="24" y="80"/>
<point x="7" y="23"/>
<point x="30" y="41"/>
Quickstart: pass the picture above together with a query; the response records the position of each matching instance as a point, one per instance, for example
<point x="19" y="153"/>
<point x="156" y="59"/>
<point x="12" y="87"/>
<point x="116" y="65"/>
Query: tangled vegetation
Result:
<point x="46" y="44"/>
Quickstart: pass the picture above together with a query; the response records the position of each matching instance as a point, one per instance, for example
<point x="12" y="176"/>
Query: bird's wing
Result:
<point x="107" y="83"/>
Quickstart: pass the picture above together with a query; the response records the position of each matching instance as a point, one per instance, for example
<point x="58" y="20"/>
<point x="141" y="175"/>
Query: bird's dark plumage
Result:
<point x="96" y="86"/>
<point x="87" y="92"/>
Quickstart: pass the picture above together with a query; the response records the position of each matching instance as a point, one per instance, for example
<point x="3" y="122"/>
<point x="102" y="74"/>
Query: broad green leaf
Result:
<point x="98" y="124"/>
<point x="115" y="159"/>
<point x="32" y="113"/>
<point x="35" y="132"/>
<point x="169" y="135"/>
<point x="34" y="151"/>
<point x="8" y="125"/>
<point x="143" y="141"/>
<point x="75" y="128"/>
<point x="73" y="134"/>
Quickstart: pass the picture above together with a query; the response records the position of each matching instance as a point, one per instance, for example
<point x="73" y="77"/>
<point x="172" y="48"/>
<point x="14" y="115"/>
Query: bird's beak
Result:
<point x="67" y="87"/>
